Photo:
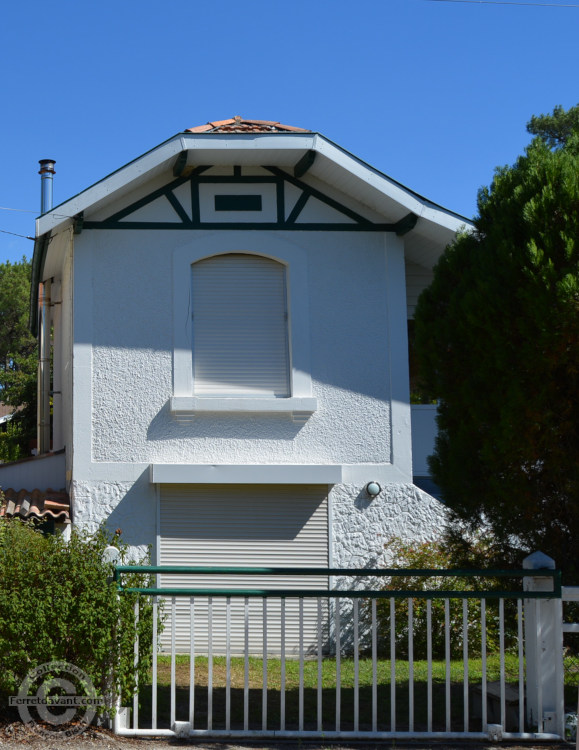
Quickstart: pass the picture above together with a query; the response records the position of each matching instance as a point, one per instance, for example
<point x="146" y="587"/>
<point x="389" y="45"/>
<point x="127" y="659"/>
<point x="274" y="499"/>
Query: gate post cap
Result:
<point x="537" y="560"/>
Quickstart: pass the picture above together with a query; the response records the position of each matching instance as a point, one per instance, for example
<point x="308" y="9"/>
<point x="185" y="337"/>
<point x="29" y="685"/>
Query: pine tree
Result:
<point x="498" y="342"/>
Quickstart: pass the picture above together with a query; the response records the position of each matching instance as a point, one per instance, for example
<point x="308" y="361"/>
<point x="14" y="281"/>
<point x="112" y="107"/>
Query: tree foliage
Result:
<point x="18" y="359"/>
<point x="498" y="341"/>
<point x="58" y="602"/>
<point x="443" y="554"/>
<point x="555" y="129"/>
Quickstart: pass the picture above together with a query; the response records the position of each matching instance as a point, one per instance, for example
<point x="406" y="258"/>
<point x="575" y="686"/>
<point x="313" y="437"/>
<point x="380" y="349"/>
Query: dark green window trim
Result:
<point x="238" y="203"/>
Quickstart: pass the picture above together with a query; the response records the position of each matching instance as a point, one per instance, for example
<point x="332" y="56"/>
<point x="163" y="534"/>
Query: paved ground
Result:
<point x="18" y="737"/>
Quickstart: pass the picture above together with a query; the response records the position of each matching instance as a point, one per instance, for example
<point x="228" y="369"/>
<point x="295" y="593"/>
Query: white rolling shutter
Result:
<point x="240" y="339"/>
<point x="244" y="526"/>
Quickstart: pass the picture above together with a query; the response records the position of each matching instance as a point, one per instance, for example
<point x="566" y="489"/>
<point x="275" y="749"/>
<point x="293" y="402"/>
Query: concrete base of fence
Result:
<point x="182" y="729"/>
<point x="494" y="705"/>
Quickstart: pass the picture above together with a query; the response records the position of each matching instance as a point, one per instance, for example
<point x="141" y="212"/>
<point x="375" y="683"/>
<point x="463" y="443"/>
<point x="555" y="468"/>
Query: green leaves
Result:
<point x="557" y="128"/>
<point x="18" y="358"/>
<point x="57" y="601"/>
<point x="498" y="342"/>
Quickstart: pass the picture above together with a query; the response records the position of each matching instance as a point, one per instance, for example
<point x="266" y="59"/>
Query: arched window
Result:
<point x="240" y="327"/>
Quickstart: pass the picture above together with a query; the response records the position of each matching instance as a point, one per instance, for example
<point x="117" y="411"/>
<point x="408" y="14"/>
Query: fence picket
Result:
<point x="484" y="707"/>
<point x="192" y="664"/>
<point x="465" y="661"/>
<point x="350" y="627"/>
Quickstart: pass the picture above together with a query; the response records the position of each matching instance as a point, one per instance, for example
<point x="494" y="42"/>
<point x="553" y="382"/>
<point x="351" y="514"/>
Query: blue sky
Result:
<point x="434" y="93"/>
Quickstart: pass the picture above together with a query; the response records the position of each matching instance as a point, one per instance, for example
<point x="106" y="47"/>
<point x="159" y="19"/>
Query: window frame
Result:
<point x="184" y="403"/>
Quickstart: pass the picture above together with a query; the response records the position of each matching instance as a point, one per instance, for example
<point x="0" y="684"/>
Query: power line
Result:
<point x="26" y="237"/>
<point x="30" y="211"/>
<point x="22" y="210"/>
<point x="508" y="2"/>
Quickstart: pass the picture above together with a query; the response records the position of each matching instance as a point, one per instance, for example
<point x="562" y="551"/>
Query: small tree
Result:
<point x="498" y="342"/>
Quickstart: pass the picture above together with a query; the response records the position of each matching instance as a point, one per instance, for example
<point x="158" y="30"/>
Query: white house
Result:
<point x="229" y="316"/>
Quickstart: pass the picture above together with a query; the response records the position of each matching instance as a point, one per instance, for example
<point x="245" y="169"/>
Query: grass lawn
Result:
<point x="347" y="696"/>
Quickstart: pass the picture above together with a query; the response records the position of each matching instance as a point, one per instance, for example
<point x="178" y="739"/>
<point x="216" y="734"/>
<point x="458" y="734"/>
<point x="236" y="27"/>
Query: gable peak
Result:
<point x="239" y="124"/>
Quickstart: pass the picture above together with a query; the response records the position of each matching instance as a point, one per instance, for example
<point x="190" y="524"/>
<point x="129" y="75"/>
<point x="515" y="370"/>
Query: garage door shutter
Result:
<point x="247" y="526"/>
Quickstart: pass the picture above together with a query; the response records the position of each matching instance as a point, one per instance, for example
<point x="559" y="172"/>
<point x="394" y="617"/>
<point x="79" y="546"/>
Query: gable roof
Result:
<point x="239" y="124"/>
<point x="428" y="227"/>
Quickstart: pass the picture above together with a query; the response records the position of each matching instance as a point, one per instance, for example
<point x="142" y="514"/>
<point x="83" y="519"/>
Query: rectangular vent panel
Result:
<point x="238" y="202"/>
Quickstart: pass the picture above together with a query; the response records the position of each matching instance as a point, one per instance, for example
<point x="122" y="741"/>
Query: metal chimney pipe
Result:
<point x="46" y="171"/>
<point x="44" y="342"/>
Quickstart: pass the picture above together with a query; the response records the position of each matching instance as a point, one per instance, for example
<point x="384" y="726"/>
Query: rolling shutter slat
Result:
<point x="248" y="526"/>
<point x="240" y="342"/>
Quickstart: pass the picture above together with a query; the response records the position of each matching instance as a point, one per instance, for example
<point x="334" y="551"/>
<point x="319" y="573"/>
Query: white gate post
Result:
<point x="544" y="651"/>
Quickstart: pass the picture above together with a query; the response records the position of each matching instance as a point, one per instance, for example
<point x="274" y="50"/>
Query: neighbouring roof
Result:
<point x="5" y="410"/>
<point x="240" y="125"/>
<point x="36" y="504"/>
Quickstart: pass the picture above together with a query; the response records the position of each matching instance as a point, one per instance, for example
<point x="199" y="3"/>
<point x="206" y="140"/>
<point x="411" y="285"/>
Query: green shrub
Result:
<point x="440" y="555"/>
<point x="10" y="444"/>
<point x="58" y="602"/>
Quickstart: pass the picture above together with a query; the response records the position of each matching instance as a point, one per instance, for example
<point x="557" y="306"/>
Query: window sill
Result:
<point x="300" y="409"/>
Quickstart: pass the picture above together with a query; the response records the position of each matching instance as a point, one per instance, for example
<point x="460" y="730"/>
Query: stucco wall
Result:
<point x="128" y="506"/>
<point x="126" y="315"/>
<point x="362" y="526"/>
<point x="132" y="358"/>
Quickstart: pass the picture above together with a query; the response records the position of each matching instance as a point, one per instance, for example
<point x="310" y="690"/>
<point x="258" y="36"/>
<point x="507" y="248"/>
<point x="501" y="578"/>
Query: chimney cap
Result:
<point x="46" y="165"/>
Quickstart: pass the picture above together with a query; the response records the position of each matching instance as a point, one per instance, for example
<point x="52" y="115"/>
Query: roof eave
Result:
<point x="255" y="149"/>
<point x="161" y="157"/>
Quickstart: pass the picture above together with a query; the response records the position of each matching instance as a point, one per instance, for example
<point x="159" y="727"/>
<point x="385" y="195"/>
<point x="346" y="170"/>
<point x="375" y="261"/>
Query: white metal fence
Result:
<point x="378" y="664"/>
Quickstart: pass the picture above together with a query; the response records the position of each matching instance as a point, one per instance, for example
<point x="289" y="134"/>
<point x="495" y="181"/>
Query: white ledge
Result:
<point x="245" y="474"/>
<point x="181" y="405"/>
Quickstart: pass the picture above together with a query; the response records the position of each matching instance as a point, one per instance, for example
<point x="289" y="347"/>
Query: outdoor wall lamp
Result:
<point x="373" y="489"/>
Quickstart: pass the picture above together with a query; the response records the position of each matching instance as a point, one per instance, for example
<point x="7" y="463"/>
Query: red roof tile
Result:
<point x="240" y="125"/>
<point x="36" y="504"/>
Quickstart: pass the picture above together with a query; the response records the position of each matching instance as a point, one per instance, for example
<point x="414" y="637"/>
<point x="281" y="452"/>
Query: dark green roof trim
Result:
<point x="304" y="163"/>
<point x="40" y="246"/>
<point x="406" y="224"/>
<point x="396" y="182"/>
<point x="242" y="136"/>
<point x="278" y="177"/>
<point x="177" y="206"/>
<point x="268" y="225"/>
<point x="246" y="136"/>
<point x="297" y="209"/>
<point x="320" y="196"/>
<point x="280" y="201"/>
<point x="180" y="164"/>
<point x="78" y="223"/>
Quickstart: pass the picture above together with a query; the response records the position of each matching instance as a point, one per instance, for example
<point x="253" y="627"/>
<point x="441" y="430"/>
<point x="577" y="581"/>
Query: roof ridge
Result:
<point x="240" y="124"/>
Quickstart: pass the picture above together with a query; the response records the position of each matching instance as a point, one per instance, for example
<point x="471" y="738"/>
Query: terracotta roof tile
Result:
<point x="240" y="125"/>
<point x="36" y="504"/>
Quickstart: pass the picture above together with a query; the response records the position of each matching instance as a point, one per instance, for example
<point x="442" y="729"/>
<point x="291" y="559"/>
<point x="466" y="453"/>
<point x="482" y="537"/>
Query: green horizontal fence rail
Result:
<point x="555" y="575"/>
